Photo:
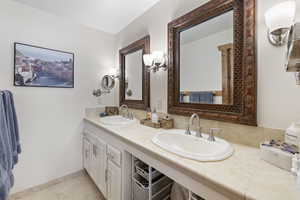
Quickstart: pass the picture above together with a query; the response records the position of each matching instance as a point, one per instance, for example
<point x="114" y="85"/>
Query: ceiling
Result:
<point x="210" y="27"/>
<point x="110" y="16"/>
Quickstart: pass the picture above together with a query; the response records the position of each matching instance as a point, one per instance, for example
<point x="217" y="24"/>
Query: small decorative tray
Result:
<point x="148" y="122"/>
<point x="162" y="123"/>
<point x="111" y="110"/>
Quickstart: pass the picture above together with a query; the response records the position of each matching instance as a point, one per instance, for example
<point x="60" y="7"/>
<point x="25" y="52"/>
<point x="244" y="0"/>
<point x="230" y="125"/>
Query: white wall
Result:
<point x="201" y="62"/>
<point x="278" y="96"/>
<point x="50" y="119"/>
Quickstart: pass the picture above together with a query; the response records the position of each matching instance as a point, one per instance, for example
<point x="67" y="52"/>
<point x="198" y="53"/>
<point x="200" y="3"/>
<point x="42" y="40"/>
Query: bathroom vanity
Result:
<point x="110" y="152"/>
<point x="212" y="74"/>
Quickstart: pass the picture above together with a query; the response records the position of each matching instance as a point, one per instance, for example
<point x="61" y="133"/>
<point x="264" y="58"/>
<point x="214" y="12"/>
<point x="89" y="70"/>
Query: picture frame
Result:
<point x="36" y="66"/>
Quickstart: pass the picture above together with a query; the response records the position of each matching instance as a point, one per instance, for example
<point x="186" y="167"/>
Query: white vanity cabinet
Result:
<point x="103" y="164"/>
<point x="114" y="158"/>
<point x="99" y="165"/>
<point x="87" y="156"/>
<point x="114" y="182"/>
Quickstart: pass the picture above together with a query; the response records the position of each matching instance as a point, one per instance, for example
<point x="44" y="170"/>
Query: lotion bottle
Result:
<point x="154" y="116"/>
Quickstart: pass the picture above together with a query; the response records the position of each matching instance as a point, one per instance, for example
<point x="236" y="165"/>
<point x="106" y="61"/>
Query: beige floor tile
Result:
<point x="79" y="188"/>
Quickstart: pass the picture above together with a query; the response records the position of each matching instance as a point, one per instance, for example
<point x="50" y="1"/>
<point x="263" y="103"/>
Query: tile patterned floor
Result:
<point x="78" y="188"/>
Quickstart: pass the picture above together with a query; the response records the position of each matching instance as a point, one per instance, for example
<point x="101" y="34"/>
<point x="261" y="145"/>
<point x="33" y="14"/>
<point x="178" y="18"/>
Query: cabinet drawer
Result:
<point x="114" y="155"/>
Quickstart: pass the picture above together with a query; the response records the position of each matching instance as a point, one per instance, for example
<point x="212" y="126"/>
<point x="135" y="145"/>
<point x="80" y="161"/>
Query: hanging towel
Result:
<point x="179" y="192"/>
<point x="12" y="124"/>
<point x="202" y="97"/>
<point x="6" y="154"/>
<point x="6" y="182"/>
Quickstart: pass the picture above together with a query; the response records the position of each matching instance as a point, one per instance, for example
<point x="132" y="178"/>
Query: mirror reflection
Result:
<point x="206" y="62"/>
<point x="134" y="75"/>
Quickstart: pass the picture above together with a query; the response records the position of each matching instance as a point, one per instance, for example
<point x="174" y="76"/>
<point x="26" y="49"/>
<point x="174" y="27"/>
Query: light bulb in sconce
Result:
<point x="115" y="72"/>
<point x="155" y="61"/>
<point x="159" y="58"/>
<point x="148" y="59"/>
<point x="279" y="20"/>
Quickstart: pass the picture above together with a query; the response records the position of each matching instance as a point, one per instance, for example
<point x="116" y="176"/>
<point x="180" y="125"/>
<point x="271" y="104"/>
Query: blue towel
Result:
<point x="202" y="97"/>
<point x="6" y="155"/>
<point x="12" y="124"/>
<point x="6" y="182"/>
<point x="9" y="143"/>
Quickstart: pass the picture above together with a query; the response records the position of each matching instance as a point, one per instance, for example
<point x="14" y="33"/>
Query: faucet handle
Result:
<point x="188" y="131"/>
<point x="131" y="116"/>
<point x="212" y="132"/>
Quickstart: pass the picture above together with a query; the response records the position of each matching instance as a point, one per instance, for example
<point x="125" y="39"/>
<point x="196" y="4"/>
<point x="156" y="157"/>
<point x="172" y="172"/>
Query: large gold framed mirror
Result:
<point x="135" y="78"/>
<point x="212" y="65"/>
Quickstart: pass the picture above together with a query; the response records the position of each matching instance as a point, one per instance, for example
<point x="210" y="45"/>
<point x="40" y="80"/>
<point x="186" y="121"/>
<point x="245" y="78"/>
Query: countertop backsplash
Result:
<point x="236" y="133"/>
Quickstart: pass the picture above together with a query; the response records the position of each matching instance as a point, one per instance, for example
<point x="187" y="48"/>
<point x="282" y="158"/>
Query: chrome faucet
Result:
<point x="198" y="131"/>
<point x="121" y="110"/>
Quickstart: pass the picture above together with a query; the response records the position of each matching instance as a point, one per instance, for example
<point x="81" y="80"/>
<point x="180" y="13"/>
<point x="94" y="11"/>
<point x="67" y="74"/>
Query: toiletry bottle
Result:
<point x="298" y="179"/>
<point x="154" y="116"/>
<point x="148" y="115"/>
<point x="292" y="134"/>
<point x="295" y="164"/>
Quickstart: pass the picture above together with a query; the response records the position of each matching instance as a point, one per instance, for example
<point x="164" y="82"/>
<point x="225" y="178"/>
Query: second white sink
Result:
<point x="116" y="120"/>
<point x="189" y="146"/>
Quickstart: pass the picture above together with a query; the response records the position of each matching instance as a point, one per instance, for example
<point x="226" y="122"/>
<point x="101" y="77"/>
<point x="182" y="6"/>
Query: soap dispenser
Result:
<point x="292" y="135"/>
<point x="154" y="116"/>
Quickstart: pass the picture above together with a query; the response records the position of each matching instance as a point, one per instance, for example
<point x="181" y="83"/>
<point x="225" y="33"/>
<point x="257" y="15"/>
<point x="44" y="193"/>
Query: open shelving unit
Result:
<point x="150" y="184"/>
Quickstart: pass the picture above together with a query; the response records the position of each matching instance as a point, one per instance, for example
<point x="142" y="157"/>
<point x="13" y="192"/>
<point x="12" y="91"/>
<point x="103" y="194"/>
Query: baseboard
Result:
<point x="48" y="184"/>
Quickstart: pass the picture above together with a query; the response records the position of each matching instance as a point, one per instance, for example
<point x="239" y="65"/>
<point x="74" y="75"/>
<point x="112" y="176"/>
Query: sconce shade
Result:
<point x="148" y="59"/>
<point x="155" y="61"/>
<point x="159" y="58"/>
<point x="281" y="16"/>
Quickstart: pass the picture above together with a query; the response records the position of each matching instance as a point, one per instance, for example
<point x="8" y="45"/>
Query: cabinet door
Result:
<point x="99" y="165"/>
<point x="87" y="155"/>
<point x="114" y="181"/>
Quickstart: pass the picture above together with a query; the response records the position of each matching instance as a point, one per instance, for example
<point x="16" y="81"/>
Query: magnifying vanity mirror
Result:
<point x="135" y="78"/>
<point x="212" y="62"/>
<point x="108" y="82"/>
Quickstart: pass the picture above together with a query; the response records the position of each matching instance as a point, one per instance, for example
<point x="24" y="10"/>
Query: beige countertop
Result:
<point x="242" y="176"/>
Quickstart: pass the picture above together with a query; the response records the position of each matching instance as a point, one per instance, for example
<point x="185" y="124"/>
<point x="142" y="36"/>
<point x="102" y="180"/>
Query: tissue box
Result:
<point x="276" y="157"/>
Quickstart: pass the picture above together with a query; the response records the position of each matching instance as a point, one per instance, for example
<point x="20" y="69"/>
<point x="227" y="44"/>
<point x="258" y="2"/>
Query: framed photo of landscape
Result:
<point x="42" y="67"/>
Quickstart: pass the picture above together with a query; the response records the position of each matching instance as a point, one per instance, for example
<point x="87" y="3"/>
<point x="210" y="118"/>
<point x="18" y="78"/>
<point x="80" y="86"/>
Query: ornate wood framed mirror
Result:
<point x="135" y="78"/>
<point x="212" y="62"/>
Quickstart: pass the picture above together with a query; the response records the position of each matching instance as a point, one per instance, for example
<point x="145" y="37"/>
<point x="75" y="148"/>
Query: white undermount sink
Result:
<point x="191" y="147"/>
<point x="116" y="120"/>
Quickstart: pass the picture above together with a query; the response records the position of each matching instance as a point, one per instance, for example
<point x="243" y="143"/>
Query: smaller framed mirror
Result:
<point x="135" y="78"/>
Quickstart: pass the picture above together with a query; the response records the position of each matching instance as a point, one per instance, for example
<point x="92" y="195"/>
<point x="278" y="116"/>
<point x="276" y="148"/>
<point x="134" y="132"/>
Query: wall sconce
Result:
<point x="115" y="73"/>
<point x="279" y="20"/>
<point x="155" y="61"/>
